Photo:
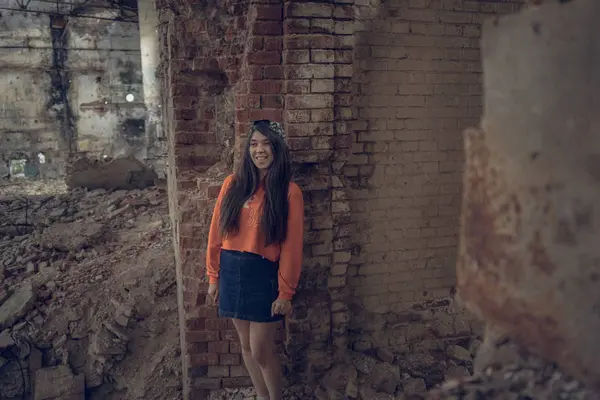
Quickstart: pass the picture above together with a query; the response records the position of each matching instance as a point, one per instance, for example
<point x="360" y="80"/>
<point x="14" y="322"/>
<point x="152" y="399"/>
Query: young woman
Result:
<point x="255" y="251"/>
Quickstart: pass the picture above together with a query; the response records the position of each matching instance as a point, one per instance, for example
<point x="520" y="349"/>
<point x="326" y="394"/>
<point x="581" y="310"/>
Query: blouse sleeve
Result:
<point x="290" y="261"/>
<point x="215" y="240"/>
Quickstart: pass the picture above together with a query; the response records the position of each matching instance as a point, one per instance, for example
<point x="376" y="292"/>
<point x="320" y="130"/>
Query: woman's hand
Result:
<point x="213" y="294"/>
<point x="281" y="307"/>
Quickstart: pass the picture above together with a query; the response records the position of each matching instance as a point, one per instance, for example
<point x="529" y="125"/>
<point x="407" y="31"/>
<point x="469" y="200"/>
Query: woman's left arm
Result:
<point x="290" y="261"/>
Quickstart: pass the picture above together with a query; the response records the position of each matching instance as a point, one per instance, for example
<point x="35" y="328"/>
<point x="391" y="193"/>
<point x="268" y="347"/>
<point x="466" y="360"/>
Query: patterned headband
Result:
<point x="273" y="126"/>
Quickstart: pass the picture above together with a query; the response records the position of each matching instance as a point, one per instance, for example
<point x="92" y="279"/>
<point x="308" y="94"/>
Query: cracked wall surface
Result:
<point x="65" y="83"/>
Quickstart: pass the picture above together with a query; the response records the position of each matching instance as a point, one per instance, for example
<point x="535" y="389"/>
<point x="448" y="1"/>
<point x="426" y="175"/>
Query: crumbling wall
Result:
<point x="201" y="53"/>
<point x="529" y="251"/>
<point x="417" y="85"/>
<point x="65" y="83"/>
<point x="28" y="123"/>
<point x="289" y="62"/>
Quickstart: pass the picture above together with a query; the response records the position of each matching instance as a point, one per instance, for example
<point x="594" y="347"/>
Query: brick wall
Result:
<point x="223" y="67"/>
<point x="318" y="47"/>
<point x="201" y="53"/>
<point x="373" y="99"/>
<point x="417" y="85"/>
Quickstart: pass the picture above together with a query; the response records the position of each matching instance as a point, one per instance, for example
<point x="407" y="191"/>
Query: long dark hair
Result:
<point x="246" y="181"/>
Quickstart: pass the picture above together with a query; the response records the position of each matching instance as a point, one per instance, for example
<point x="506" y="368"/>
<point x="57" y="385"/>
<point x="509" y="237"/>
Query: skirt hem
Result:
<point x="245" y="317"/>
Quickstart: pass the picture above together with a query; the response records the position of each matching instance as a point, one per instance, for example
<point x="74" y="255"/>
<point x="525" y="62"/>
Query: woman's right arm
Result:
<point x="213" y="250"/>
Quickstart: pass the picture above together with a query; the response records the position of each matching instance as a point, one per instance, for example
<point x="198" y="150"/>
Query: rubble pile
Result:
<point x="88" y="296"/>
<point x="88" y="310"/>
<point x="505" y="370"/>
<point x="502" y="371"/>
<point x="379" y="375"/>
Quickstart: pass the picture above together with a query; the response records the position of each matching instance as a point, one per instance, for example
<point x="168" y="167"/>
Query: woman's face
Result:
<point x="261" y="152"/>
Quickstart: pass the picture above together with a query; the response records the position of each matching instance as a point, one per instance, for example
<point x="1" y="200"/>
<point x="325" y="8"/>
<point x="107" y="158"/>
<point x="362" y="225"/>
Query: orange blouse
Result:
<point x="250" y="238"/>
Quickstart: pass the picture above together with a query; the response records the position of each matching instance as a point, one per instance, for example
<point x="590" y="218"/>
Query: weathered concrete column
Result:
<point x="530" y="247"/>
<point x="149" y="48"/>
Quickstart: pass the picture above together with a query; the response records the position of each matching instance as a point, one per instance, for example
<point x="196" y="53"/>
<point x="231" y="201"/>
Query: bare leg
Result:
<point x="243" y="330"/>
<point x="262" y="344"/>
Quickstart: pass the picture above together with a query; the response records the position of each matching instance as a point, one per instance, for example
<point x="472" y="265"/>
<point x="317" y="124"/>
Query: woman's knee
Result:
<point x="261" y="353"/>
<point x="243" y="330"/>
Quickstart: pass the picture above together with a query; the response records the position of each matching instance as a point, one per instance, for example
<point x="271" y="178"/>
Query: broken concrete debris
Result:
<point x="58" y="383"/>
<point x="84" y="314"/>
<point x="510" y="372"/>
<point x="17" y="305"/>
<point x="121" y="173"/>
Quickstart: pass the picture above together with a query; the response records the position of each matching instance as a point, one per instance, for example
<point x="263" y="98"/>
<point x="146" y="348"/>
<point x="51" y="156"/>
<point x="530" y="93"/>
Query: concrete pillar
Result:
<point x="149" y="47"/>
<point x="530" y="241"/>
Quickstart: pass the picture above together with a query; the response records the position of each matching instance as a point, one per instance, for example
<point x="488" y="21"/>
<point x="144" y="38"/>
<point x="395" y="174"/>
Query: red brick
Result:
<point x="256" y="43"/>
<point x="296" y="26"/>
<point x="309" y="101"/>
<point x="271" y="114"/>
<point x="273" y="43"/>
<point x="238" y="370"/>
<point x="266" y="87"/>
<point x="322" y="142"/>
<point x="246" y="101"/>
<point x="218" y="371"/>
<point x="235" y="347"/>
<point x="265" y="58"/>
<point x="204" y="359"/>
<point x="218" y="347"/>
<point x="308" y="9"/>
<point x="325" y="26"/>
<point x="229" y="359"/>
<point x="322" y="86"/>
<point x="343" y="12"/>
<point x="195" y="324"/>
<point x="343" y="141"/>
<point x="298" y="115"/>
<point x="201" y="336"/>
<point x="271" y="28"/>
<point x="242" y="115"/>
<point x="297" y="86"/>
<point x="311" y="129"/>
<point x="318" y="71"/>
<point x="296" y="57"/>
<point x="237" y="382"/>
<point x="322" y="56"/>
<point x="206" y="383"/>
<point x="229" y="334"/>
<point x="197" y="348"/>
<point x="269" y="12"/>
<point x="273" y="72"/>
<point x="216" y="324"/>
<point x="309" y="42"/>
<point x="302" y="143"/>
<point x="272" y="101"/>
<point x="322" y="115"/>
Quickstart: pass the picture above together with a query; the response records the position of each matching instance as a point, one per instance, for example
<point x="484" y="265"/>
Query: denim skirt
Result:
<point x="248" y="286"/>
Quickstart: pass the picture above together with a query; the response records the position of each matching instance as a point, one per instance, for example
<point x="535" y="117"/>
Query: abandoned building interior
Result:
<point x="450" y="172"/>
